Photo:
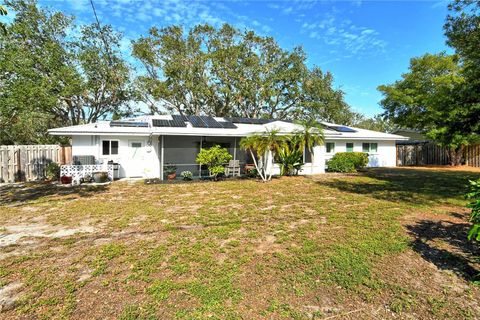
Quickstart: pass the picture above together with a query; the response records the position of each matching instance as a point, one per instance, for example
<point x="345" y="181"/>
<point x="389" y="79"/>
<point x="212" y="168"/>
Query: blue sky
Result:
<point x="363" y="43"/>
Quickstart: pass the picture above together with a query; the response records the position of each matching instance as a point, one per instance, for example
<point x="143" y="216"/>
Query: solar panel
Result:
<point x="227" y="125"/>
<point x="260" y="121"/>
<point x="161" y="123"/>
<point x="178" y="121"/>
<point x="211" y="122"/>
<point x="197" y="122"/>
<point x="128" y="124"/>
<point x="240" y="120"/>
<point x="342" y="129"/>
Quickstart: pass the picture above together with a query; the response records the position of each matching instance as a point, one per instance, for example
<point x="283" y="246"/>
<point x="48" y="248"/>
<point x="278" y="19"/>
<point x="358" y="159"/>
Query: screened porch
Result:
<point x="181" y="152"/>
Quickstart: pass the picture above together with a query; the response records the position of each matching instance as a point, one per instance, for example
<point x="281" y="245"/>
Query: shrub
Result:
<point x="52" y="171"/>
<point x="186" y="175"/>
<point x="347" y="162"/>
<point x="290" y="160"/>
<point x="214" y="158"/>
<point x="169" y="168"/>
<point x="474" y="195"/>
<point x="251" y="172"/>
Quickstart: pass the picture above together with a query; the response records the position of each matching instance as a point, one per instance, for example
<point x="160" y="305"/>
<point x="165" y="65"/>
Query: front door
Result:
<point x="136" y="166"/>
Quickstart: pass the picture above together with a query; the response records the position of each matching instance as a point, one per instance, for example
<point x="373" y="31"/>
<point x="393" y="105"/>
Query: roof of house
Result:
<point x="413" y="135"/>
<point x="210" y="126"/>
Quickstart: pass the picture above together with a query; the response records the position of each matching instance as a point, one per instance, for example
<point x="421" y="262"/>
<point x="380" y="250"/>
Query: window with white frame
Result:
<point x="349" y="146"/>
<point x="330" y="147"/>
<point x="109" y="147"/>
<point x="369" y="147"/>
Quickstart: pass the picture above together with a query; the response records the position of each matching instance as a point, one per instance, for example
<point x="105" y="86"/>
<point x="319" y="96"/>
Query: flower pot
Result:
<point x="172" y="176"/>
<point x="66" y="179"/>
<point x="100" y="177"/>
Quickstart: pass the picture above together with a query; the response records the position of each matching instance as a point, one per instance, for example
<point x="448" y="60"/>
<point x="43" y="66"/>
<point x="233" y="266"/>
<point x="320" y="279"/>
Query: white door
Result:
<point x="136" y="159"/>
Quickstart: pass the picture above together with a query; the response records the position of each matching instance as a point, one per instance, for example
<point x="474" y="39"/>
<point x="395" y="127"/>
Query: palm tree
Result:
<point x="265" y="145"/>
<point x="309" y="136"/>
<point x="3" y="26"/>
<point x="251" y="144"/>
<point x="271" y="142"/>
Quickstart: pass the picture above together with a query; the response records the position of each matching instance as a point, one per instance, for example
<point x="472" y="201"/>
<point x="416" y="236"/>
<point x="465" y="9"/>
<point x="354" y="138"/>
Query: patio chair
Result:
<point x="233" y="168"/>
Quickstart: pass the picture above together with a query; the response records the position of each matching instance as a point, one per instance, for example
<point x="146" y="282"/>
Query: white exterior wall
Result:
<point x="146" y="163"/>
<point x="384" y="157"/>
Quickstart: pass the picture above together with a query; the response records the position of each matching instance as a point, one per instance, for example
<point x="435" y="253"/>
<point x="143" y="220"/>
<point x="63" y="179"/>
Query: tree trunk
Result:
<point x="456" y="155"/>
<point x="271" y="156"/>
<point x="256" y="166"/>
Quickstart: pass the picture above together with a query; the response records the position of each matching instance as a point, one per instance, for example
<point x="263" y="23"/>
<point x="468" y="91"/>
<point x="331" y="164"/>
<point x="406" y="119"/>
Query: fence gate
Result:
<point x="29" y="162"/>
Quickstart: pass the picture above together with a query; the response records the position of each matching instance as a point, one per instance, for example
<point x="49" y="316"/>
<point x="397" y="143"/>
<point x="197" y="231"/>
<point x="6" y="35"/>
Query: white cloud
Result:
<point x="344" y="35"/>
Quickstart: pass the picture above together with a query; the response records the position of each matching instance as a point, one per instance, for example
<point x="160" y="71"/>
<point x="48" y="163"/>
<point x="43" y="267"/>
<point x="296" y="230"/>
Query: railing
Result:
<point x="80" y="171"/>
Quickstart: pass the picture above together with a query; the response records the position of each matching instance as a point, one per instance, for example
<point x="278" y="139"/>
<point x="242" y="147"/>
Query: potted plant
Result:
<point x="66" y="179"/>
<point x="171" y="171"/>
<point x="100" y="176"/>
<point x="186" y="175"/>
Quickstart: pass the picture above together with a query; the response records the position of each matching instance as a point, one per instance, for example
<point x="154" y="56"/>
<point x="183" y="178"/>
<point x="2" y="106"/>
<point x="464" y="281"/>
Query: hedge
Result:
<point x="347" y="162"/>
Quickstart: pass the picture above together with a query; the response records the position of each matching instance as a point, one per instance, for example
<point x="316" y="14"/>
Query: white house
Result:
<point x="143" y="146"/>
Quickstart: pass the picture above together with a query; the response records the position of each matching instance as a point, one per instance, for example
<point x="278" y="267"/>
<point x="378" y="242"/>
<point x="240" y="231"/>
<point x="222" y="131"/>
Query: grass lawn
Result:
<point x="387" y="243"/>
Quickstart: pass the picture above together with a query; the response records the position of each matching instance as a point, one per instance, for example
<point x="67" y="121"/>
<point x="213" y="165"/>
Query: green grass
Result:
<point x="293" y="248"/>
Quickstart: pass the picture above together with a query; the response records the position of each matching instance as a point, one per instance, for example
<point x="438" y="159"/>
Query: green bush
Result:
<point x="474" y="195"/>
<point x="347" y="162"/>
<point x="290" y="160"/>
<point x="52" y="171"/>
<point x="215" y="159"/>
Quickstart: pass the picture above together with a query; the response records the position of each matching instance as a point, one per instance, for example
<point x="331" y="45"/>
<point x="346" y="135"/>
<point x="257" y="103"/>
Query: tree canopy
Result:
<point x="441" y="93"/>
<point x="226" y="72"/>
<point x="49" y="76"/>
<point x="427" y="99"/>
<point x="462" y="29"/>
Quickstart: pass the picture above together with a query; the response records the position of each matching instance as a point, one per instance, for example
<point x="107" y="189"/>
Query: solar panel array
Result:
<point x="211" y="122"/>
<point x="206" y="122"/>
<point x="249" y="120"/>
<point x="130" y="124"/>
<point x="227" y="125"/>
<point x="197" y="122"/>
<point x="177" y="121"/>
<point x="342" y="129"/>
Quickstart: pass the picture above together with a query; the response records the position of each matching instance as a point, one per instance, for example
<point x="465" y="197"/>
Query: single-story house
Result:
<point x="144" y="146"/>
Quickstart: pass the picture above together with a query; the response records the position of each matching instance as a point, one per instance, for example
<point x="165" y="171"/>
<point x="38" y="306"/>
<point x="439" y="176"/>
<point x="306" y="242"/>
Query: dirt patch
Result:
<point x="13" y="234"/>
<point x="9" y="295"/>
<point x="267" y="244"/>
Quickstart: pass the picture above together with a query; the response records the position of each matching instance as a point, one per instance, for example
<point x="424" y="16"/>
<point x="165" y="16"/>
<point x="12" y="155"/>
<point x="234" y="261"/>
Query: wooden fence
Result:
<point x="432" y="154"/>
<point x="29" y="162"/>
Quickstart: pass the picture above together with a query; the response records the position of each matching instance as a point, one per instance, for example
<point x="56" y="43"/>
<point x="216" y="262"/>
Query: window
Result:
<point x="109" y="147"/>
<point x="369" y="147"/>
<point x="330" y="146"/>
<point x="349" y="147"/>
